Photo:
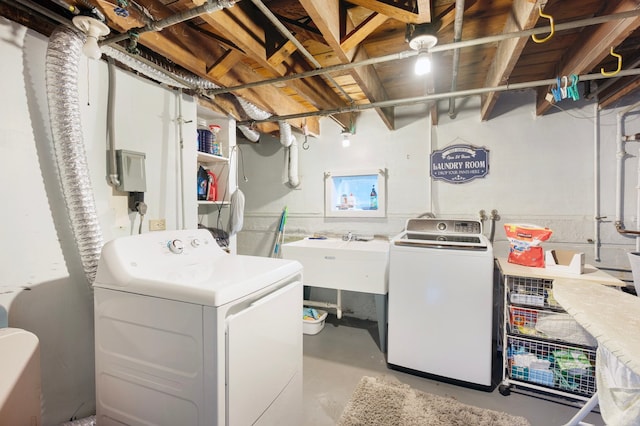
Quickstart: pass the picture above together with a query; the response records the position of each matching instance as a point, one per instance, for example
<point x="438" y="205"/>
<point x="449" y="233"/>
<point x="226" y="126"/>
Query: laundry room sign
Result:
<point x="459" y="163"/>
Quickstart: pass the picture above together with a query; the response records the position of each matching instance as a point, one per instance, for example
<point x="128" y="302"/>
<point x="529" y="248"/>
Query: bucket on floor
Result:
<point x="634" y="259"/>
<point x="314" y="326"/>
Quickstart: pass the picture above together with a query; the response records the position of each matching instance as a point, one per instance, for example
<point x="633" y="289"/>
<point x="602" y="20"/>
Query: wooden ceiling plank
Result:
<point x="594" y="48"/>
<point x="366" y="77"/>
<point x="313" y="89"/>
<point x="224" y="64"/>
<point x="422" y="15"/>
<point x="369" y="82"/>
<point x="524" y="16"/>
<point x="363" y="30"/>
<point x="449" y="16"/>
<point x="268" y="98"/>
<point x="614" y="97"/>
<point x="285" y="51"/>
<point x="325" y="14"/>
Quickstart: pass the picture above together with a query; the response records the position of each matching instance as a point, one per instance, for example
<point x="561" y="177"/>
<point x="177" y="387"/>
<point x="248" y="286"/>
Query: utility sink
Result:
<point x="342" y="265"/>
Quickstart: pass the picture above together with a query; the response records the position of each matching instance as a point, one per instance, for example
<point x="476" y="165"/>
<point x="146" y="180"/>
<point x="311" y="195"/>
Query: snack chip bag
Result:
<point x="525" y="239"/>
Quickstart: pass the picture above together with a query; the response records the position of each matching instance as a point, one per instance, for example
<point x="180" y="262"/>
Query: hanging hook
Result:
<point x="550" y="18"/>
<point x="609" y="74"/>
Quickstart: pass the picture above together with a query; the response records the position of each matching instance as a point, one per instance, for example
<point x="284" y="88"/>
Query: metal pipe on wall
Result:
<point x="209" y="7"/>
<point x="596" y="183"/>
<point x="437" y="96"/>
<point x="457" y="36"/>
<point x="620" y="156"/>
<point x="638" y="204"/>
<point x="438" y="48"/>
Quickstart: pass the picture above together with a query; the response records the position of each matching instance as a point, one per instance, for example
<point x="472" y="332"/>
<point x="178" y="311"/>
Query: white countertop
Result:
<point x="591" y="273"/>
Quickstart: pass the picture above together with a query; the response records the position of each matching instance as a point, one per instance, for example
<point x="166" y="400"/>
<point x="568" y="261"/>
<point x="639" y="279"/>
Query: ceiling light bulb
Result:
<point x="423" y="63"/>
<point x="345" y="139"/>
<point x="91" y="48"/>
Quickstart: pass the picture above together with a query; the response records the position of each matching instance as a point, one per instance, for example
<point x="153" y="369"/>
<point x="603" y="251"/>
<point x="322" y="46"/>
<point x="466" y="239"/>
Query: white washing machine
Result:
<point x="441" y="301"/>
<point x="186" y="334"/>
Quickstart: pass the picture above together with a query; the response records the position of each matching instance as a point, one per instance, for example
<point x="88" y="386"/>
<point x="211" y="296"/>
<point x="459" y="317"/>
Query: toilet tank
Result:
<point x="19" y="378"/>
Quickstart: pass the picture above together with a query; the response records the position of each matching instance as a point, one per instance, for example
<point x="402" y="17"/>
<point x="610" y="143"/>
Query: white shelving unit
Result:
<point x="215" y="214"/>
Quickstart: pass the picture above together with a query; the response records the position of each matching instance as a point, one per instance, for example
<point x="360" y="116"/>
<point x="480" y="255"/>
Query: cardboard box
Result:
<point x="566" y="261"/>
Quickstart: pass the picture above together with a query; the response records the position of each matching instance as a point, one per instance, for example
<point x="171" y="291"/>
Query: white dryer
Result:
<point x="186" y="334"/>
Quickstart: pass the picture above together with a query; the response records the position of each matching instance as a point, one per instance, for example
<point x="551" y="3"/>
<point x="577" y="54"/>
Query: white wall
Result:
<point x="541" y="172"/>
<point x="42" y="285"/>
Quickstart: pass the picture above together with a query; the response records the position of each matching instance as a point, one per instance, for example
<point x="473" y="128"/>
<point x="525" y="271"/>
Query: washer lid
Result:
<point x="187" y="266"/>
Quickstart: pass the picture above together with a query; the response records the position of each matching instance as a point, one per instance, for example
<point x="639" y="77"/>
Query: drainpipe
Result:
<point x="620" y="156"/>
<point x="457" y="36"/>
<point x="596" y="181"/>
<point x="112" y="169"/>
<point x="637" y="234"/>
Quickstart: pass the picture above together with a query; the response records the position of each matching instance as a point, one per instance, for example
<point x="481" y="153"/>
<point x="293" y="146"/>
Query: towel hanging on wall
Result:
<point x="236" y="214"/>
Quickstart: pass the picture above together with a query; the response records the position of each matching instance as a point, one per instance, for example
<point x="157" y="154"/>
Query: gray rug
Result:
<point x="380" y="402"/>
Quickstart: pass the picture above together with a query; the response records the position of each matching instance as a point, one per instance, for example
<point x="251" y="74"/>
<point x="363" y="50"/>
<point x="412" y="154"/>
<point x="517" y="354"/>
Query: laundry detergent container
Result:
<point x="19" y="378"/>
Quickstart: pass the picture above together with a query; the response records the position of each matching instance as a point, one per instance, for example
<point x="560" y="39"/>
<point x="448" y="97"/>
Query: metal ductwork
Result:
<point x="63" y="56"/>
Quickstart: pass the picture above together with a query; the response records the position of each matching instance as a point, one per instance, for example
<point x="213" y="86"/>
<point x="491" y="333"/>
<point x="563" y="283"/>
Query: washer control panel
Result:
<point x="444" y="226"/>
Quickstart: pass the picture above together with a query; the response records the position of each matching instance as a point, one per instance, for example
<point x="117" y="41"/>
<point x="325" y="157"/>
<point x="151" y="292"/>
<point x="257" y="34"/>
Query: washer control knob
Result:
<point x="442" y="226"/>
<point x="175" y="246"/>
<point x="195" y="243"/>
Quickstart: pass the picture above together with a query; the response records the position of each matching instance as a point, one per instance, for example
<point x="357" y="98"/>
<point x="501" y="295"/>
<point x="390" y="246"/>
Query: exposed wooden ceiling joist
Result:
<point x="525" y="15"/>
<point x="245" y="44"/>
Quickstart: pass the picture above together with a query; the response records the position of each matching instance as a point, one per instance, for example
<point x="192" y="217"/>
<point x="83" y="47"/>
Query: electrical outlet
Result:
<point x="157" y="225"/>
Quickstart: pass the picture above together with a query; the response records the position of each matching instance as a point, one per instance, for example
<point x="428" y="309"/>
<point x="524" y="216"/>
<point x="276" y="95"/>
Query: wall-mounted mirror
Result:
<point x="355" y="193"/>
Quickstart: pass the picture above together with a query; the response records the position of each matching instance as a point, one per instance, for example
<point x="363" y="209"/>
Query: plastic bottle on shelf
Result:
<point x="215" y="146"/>
<point x="203" y="183"/>
<point x="205" y="137"/>
<point x="373" y="204"/>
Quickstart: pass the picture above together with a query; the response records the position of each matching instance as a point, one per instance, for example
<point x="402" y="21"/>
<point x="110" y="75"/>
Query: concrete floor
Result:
<point x="345" y="350"/>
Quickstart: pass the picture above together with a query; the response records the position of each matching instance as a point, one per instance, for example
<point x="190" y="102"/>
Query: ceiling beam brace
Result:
<point x="209" y="7"/>
<point x="285" y="32"/>
<point x="524" y="14"/>
<point x="438" y="48"/>
<point x="438" y="96"/>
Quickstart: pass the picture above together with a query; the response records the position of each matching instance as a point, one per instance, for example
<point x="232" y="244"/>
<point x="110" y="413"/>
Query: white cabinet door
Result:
<point x="264" y="353"/>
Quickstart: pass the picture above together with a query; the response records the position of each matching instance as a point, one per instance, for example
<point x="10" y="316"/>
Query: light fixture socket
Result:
<point x="422" y="36"/>
<point x="94" y="29"/>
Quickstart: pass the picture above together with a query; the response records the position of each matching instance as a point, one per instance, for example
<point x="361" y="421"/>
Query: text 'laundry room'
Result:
<point x="291" y="212"/>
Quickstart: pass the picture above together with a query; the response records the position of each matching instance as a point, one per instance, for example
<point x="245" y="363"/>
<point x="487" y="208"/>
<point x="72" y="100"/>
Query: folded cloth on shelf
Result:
<point x="563" y="327"/>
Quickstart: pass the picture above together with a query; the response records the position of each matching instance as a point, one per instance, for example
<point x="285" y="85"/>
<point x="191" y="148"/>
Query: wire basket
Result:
<point x="563" y="367"/>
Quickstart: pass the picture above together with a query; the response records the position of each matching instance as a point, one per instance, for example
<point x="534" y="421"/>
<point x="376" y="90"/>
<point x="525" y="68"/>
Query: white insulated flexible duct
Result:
<point x="63" y="56"/>
<point x="291" y="154"/>
<point x="287" y="140"/>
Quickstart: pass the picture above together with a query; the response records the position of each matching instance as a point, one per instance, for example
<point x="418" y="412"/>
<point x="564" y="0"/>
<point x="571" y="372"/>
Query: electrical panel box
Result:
<point x="131" y="171"/>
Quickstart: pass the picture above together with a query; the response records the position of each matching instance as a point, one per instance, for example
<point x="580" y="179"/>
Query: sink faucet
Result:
<point x="348" y="236"/>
